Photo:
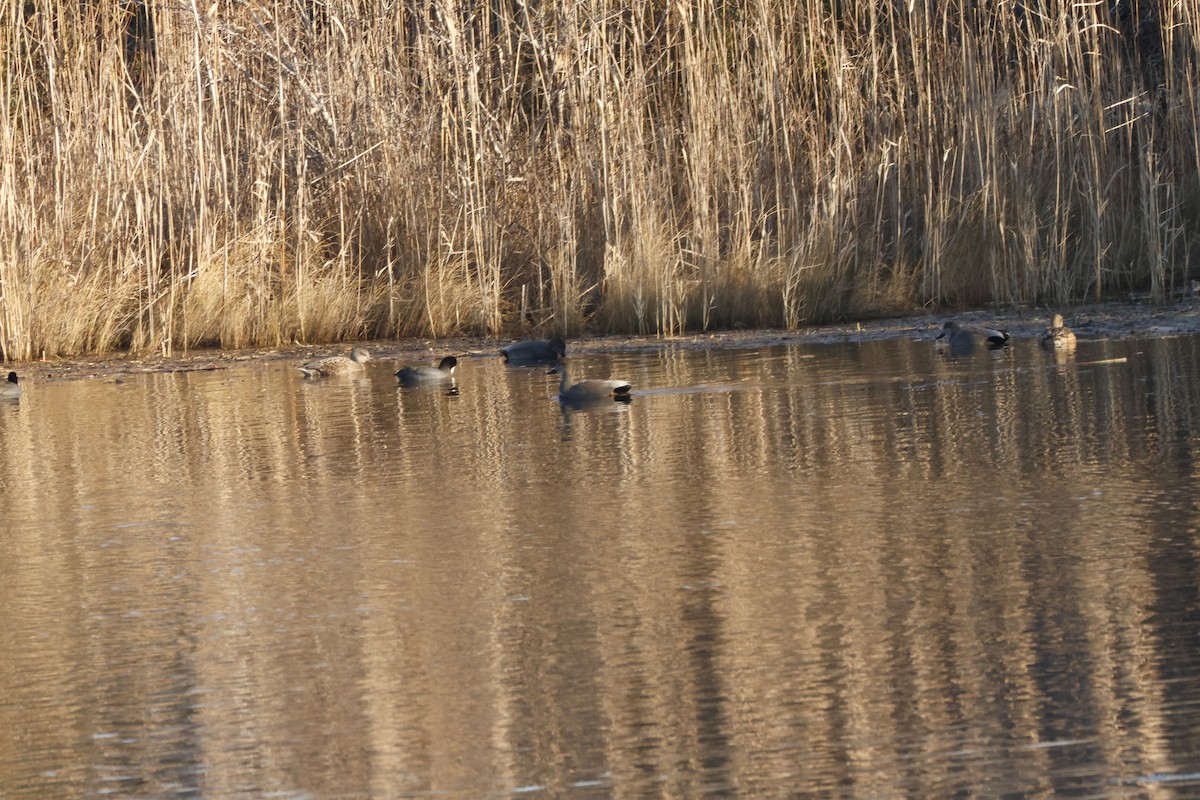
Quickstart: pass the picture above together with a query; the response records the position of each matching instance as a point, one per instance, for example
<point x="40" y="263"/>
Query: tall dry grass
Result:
<point x="173" y="174"/>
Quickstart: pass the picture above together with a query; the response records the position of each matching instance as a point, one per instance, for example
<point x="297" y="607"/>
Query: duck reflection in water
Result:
<point x="960" y="339"/>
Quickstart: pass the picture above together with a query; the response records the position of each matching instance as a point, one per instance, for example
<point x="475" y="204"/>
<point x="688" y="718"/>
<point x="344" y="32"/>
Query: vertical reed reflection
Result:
<point x="850" y="571"/>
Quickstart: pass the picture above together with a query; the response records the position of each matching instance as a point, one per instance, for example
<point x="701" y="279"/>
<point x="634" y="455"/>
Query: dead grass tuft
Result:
<point x="257" y="175"/>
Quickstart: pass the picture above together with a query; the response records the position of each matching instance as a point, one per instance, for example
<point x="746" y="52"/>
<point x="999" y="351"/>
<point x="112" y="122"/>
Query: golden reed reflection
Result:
<point x="860" y="572"/>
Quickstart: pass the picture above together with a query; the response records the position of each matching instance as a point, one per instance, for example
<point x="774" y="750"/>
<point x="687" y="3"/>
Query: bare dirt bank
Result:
<point x="1101" y="321"/>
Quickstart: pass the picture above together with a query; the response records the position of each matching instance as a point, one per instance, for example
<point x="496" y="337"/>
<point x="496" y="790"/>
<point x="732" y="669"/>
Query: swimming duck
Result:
<point x="964" y="339"/>
<point x="10" y="389"/>
<point x="590" y="390"/>
<point x="534" y="351"/>
<point x="337" y="365"/>
<point x="415" y="376"/>
<point x="1058" y="336"/>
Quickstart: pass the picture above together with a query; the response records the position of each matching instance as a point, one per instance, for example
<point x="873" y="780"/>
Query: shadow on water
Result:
<point x="863" y="570"/>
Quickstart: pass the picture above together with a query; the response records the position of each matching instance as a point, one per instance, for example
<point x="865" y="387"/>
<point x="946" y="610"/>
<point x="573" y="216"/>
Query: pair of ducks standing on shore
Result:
<point x="963" y="339"/>
<point x="529" y="352"/>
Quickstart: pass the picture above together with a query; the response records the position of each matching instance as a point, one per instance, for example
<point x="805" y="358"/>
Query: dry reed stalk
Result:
<point x="177" y="175"/>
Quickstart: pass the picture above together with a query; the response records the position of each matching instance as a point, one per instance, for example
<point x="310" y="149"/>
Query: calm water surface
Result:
<point x="845" y="571"/>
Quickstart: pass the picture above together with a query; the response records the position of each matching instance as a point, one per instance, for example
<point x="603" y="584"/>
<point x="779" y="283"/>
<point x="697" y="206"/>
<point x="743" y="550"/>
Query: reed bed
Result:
<point x="250" y="174"/>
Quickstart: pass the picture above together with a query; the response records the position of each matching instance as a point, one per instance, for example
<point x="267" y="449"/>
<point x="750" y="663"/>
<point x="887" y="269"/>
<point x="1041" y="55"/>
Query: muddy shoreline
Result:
<point x="1099" y="321"/>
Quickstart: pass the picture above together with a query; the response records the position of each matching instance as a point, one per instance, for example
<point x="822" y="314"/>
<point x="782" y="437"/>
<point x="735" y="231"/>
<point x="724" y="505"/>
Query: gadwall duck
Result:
<point x="416" y="376"/>
<point x="590" y="390"/>
<point x="965" y="338"/>
<point x="532" y="352"/>
<point x="337" y="365"/>
<point x="1058" y="336"/>
<point x="10" y="388"/>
